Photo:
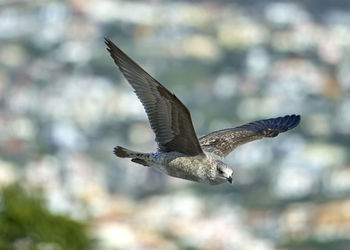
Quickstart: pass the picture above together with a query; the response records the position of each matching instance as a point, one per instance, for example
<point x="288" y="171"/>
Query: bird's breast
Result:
<point x="190" y="167"/>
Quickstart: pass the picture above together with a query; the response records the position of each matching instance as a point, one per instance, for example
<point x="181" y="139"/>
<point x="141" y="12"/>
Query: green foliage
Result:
<point x="26" y="221"/>
<point x="341" y="244"/>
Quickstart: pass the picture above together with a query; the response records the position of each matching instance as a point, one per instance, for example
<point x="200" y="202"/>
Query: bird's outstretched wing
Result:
<point x="222" y="142"/>
<point x="169" y="118"/>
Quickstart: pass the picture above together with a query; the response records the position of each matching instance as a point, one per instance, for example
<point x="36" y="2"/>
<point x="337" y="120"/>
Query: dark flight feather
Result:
<point x="170" y="120"/>
<point x="224" y="141"/>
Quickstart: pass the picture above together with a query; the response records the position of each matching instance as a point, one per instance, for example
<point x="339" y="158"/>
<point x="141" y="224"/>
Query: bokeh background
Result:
<point x="64" y="106"/>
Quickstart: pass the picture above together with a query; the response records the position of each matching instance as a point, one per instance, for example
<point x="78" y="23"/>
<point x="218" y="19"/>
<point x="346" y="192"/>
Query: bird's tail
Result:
<point x="137" y="157"/>
<point x="123" y="152"/>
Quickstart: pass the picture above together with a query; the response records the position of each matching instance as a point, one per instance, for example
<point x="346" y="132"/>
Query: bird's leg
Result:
<point x="140" y="161"/>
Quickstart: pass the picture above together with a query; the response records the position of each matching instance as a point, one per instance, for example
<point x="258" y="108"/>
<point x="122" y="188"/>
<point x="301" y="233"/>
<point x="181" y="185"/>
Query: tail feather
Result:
<point x="123" y="152"/>
<point x="137" y="157"/>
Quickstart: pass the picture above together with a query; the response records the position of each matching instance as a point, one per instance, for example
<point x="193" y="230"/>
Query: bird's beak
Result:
<point x="229" y="179"/>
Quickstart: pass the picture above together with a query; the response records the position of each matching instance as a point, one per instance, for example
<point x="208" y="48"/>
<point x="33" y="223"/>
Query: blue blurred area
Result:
<point x="64" y="106"/>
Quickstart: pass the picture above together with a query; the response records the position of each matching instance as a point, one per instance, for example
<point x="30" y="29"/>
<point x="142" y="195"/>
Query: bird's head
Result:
<point x="223" y="172"/>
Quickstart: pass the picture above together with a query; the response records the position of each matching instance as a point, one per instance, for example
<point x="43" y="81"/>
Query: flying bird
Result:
<point x="180" y="152"/>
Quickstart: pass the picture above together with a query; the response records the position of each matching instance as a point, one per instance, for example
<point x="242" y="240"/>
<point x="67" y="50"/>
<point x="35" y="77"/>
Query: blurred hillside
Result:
<point x="26" y="223"/>
<point x="64" y="106"/>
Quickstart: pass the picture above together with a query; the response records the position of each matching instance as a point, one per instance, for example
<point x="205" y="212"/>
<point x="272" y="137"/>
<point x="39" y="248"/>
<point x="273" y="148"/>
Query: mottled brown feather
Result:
<point x="222" y="142"/>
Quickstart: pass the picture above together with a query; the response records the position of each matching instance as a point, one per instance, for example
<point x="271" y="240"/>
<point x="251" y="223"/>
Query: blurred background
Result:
<point x="64" y="106"/>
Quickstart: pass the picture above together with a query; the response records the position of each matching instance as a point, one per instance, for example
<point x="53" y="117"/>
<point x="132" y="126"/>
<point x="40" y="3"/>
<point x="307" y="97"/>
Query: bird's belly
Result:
<point x="189" y="168"/>
<point x="194" y="168"/>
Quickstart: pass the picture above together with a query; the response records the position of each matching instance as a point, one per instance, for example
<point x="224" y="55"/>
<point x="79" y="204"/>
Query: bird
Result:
<point x="180" y="152"/>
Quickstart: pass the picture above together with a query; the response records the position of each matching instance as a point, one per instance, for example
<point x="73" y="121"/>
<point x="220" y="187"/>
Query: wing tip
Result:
<point x="118" y="55"/>
<point x="294" y="121"/>
<point x="110" y="45"/>
<point x="282" y="124"/>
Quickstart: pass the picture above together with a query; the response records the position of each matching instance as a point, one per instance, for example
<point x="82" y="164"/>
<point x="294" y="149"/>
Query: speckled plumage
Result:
<point x="180" y="153"/>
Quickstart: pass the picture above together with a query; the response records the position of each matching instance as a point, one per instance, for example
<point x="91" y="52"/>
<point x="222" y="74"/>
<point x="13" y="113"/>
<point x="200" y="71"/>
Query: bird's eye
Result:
<point x="220" y="171"/>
